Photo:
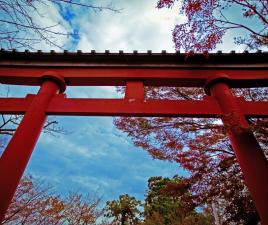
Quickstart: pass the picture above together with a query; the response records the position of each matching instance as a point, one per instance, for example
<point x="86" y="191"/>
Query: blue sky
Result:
<point x="95" y="156"/>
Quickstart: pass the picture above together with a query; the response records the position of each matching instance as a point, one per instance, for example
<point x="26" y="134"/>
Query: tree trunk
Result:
<point x="215" y="213"/>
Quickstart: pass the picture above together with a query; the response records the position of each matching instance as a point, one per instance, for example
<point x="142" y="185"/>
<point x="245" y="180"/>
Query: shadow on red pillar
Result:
<point x="17" y="154"/>
<point x="250" y="156"/>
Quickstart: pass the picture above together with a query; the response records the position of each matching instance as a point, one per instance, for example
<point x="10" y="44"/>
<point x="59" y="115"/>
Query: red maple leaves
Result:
<point x="207" y="22"/>
<point x="165" y="3"/>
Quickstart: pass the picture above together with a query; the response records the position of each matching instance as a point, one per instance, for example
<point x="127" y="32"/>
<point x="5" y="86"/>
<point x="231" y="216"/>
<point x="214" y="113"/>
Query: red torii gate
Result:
<point x="217" y="73"/>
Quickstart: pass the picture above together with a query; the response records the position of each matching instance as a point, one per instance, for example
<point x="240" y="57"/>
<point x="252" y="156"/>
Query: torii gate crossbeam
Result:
<point x="217" y="73"/>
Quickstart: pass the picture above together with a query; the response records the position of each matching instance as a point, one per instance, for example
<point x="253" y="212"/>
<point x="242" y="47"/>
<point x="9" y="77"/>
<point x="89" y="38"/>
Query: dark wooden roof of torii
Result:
<point x="134" y="59"/>
<point x="155" y="69"/>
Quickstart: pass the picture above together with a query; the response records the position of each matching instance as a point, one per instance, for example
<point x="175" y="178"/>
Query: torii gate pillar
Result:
<point x="17" y="154"/>
<point x="247" y="150"/>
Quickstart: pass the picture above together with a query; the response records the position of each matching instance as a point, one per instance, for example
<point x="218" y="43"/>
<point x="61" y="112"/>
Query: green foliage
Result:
<point x="124" y="211"/>
<point x="169" y="202"/>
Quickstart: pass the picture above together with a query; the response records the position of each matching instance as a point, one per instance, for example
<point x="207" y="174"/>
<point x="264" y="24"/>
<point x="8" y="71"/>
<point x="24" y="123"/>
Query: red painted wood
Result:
<point x="134" y="91"/>
<point x="16" y="155"/>
<point x="15" y="106"/>
<point x="60" y="105"/>
<point x="132" y="107"/>
<point x="119" y="76"/>
<point x="250" y="156"/>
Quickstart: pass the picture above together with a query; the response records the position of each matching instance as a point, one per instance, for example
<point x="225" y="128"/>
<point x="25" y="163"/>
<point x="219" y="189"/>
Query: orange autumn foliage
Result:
<point x="34" y="203"/>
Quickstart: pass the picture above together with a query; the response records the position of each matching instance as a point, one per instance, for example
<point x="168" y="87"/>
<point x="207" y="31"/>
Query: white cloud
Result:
<point x="47" y="16"/>
<point x="92" y="92"/>
<point x="138" y="27"/>
<point x="67" y="147"/>
<point x="94" y="183"/>
<point x="84" y="43"/>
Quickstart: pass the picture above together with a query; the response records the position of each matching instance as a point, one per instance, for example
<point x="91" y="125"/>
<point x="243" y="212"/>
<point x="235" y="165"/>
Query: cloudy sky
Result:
<point x="94" y="156"/>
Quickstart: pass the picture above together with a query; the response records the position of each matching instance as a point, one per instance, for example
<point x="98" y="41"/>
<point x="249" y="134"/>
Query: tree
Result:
<point x="26" y="23"/>
<point x="81" y="210"/>
<point x="124" y="211"/>
<point x="34" y="203"/>
<point x="169" y="202"/>
<point x="207" y="21"/>
<point x="201" y="147"/>
<point x="9" y="123"/>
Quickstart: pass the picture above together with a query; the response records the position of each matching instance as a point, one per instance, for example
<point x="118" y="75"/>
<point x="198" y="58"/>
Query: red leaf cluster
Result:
<point x="165" y="3"/>
<point x="209" y="20"/>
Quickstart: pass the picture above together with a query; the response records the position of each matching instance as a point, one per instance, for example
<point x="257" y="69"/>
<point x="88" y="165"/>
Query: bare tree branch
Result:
<point x="19" y="29"/>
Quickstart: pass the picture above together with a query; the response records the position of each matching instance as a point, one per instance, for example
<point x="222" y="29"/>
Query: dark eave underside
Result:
<point x="135" y="59"/>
